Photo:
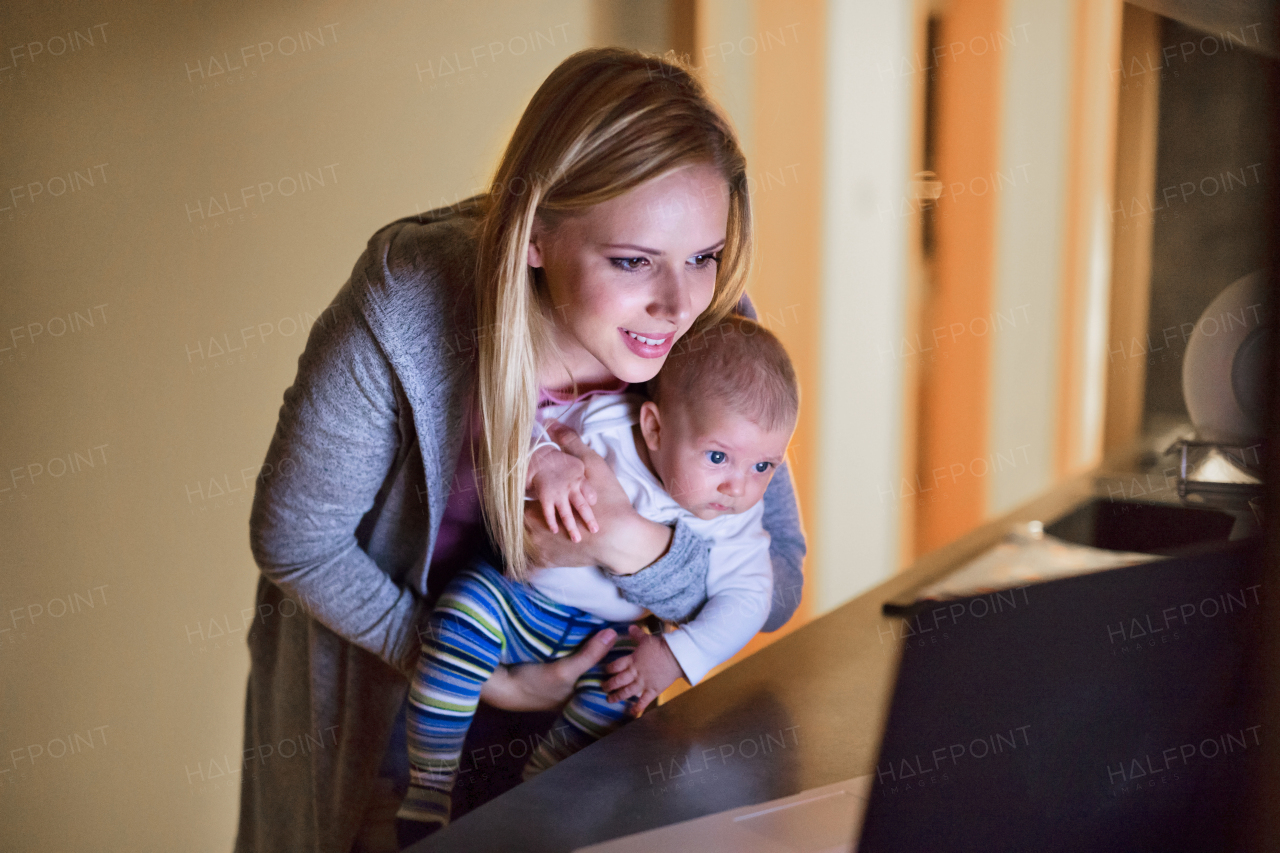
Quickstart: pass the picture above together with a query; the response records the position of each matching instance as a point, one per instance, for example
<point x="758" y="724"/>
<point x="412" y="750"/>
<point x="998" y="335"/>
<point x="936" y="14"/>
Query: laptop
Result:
<point x="820" y="820"/>
<point x="1109" y="712"/>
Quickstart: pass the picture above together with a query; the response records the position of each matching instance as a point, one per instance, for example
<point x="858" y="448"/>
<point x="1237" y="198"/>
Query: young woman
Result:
<point x="618" y="218"/>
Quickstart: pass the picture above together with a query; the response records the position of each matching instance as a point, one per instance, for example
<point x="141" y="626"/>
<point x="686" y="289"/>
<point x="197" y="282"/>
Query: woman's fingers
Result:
<point x="570" y="442"/>
<point x="589" y="655"/>
<point x="554" y="549"/>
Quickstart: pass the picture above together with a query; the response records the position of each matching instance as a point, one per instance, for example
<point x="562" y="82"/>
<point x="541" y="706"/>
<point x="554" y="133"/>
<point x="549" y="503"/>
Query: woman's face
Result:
<point x="629" y="276"/>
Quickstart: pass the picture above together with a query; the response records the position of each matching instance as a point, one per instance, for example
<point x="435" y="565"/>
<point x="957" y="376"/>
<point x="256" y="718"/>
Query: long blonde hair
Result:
<point x="605" y="121"/>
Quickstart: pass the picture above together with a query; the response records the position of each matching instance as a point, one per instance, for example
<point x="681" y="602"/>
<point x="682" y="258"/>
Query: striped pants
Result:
<point x="482" y="621"/>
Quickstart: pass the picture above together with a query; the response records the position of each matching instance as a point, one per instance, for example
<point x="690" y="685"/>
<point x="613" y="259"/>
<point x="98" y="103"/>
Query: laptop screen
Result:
<point x="1112" y="711"/>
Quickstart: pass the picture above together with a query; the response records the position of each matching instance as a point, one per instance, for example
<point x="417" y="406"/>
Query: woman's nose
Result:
<point x="672" y="297"/>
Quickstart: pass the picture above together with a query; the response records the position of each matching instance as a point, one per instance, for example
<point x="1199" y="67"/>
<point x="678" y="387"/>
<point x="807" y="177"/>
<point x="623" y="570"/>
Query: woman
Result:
<point x="448" y="329"/>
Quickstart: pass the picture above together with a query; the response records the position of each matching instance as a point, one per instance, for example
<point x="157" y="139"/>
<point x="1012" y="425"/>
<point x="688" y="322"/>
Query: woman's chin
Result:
<point x="631" y="368"/>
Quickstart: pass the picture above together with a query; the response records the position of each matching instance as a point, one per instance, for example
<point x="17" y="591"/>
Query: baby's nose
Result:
<point x="733" y="486"/>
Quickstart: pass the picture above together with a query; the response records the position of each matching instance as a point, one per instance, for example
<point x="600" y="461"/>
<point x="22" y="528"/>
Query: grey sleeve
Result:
<point x="786" y="547"/>
<point x="674" y="586"/>
<point x="334" y="443"/>
<point x="782" y="522"/>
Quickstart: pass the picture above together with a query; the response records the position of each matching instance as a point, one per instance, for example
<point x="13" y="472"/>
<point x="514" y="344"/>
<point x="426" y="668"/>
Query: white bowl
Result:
<point x="1224" y="372"/>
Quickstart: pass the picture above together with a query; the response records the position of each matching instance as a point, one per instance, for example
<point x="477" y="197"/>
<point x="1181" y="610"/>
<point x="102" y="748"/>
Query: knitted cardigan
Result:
<point x="344" y="526"/>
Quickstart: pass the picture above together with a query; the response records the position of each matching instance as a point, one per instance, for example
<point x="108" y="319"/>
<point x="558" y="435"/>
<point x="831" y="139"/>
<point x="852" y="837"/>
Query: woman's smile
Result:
<point x="647" y="345"/>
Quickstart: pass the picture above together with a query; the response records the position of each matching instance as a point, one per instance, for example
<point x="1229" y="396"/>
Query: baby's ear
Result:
<point x="650" y="424"/>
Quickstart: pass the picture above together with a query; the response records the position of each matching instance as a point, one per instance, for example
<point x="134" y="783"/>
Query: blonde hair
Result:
<point x="737" y="364"/>
<point x="605" y="121"/>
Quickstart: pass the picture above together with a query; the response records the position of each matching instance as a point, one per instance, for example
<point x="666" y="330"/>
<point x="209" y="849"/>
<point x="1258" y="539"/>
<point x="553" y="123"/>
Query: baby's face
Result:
<point x="711" y="460"/>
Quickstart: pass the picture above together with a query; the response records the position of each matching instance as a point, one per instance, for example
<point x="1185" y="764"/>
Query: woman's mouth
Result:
<point x="647" y="345"/>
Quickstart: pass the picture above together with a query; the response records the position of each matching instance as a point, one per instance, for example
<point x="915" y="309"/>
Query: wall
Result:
<point x="184" y="191"/>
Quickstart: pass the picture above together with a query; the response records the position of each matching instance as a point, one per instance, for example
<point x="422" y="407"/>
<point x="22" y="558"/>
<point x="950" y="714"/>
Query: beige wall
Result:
<point x="115" y="293"/>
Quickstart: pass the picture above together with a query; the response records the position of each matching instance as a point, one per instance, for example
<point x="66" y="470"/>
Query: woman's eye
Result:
<point x="629" y="264"/>
<point x="762" y="467"/>
<point x="705" y="260"/>
<point x="715" y="457"/>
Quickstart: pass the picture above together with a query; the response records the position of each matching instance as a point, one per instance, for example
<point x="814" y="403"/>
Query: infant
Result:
<point x="700" y="451"/>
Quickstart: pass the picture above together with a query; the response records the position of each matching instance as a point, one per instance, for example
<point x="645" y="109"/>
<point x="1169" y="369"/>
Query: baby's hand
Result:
<point x="644" y="673"/>
<point x="558" y="481"/>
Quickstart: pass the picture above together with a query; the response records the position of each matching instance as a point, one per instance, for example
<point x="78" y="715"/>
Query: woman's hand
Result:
<point x="544" y="686"/>
<point x="625" y="541"/>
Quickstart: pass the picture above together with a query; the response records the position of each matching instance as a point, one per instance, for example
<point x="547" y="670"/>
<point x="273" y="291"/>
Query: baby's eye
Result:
<point x="762" y="467"/>
<point x="715" y="457"/>
<point x="705" y="260"/>
<point x="628" y="264"/>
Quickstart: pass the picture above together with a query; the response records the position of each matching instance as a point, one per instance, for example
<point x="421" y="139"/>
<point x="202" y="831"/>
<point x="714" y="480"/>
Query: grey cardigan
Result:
<point x="344" y="526"/>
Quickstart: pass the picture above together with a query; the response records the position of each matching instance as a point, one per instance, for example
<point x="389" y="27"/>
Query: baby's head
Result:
<point x="721" y="414"/>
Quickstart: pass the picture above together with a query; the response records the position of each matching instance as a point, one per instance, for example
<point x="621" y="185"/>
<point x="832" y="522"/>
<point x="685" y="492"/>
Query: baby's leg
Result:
<point x="587" y="717"/>
<point x="463" y="644"/>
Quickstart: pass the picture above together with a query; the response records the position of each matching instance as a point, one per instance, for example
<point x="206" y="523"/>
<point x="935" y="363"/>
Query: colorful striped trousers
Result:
<point x="482" y="621"/>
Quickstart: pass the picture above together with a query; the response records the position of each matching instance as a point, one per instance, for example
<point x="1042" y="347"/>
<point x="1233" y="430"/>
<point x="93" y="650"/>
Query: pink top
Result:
<point x="462" y="522"/>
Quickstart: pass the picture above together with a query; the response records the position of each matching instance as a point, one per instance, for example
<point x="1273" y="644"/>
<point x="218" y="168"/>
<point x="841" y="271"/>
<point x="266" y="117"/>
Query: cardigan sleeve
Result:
<point x="336" y="439"/>
<point x="782" y="521"/>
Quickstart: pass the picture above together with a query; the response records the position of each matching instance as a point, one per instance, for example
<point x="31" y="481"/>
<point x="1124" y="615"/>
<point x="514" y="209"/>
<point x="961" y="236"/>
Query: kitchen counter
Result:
<point x="804" y="712"/>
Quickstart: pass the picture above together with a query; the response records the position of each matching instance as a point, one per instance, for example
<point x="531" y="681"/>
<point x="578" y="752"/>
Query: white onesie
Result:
<point x="739" y="578"/>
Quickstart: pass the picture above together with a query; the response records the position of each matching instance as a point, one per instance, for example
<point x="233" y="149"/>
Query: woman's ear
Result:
<point x="651" y="425"/>
<point x="537" y="236"/>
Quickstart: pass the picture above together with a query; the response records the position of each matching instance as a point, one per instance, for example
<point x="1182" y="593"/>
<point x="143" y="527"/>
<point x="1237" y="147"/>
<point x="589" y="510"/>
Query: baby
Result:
<point x="702" y="450"/>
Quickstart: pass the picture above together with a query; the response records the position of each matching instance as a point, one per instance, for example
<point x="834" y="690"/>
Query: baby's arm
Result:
<point x="557" y="480"/>
<point x="739" y="588"/>
<point x="739" y="593"/>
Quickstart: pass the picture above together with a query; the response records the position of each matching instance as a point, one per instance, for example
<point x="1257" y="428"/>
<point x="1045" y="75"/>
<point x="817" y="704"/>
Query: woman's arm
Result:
<point x="782" y="521"/>
<point x="335" y="441"/>
<point x="627" y="544"/>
